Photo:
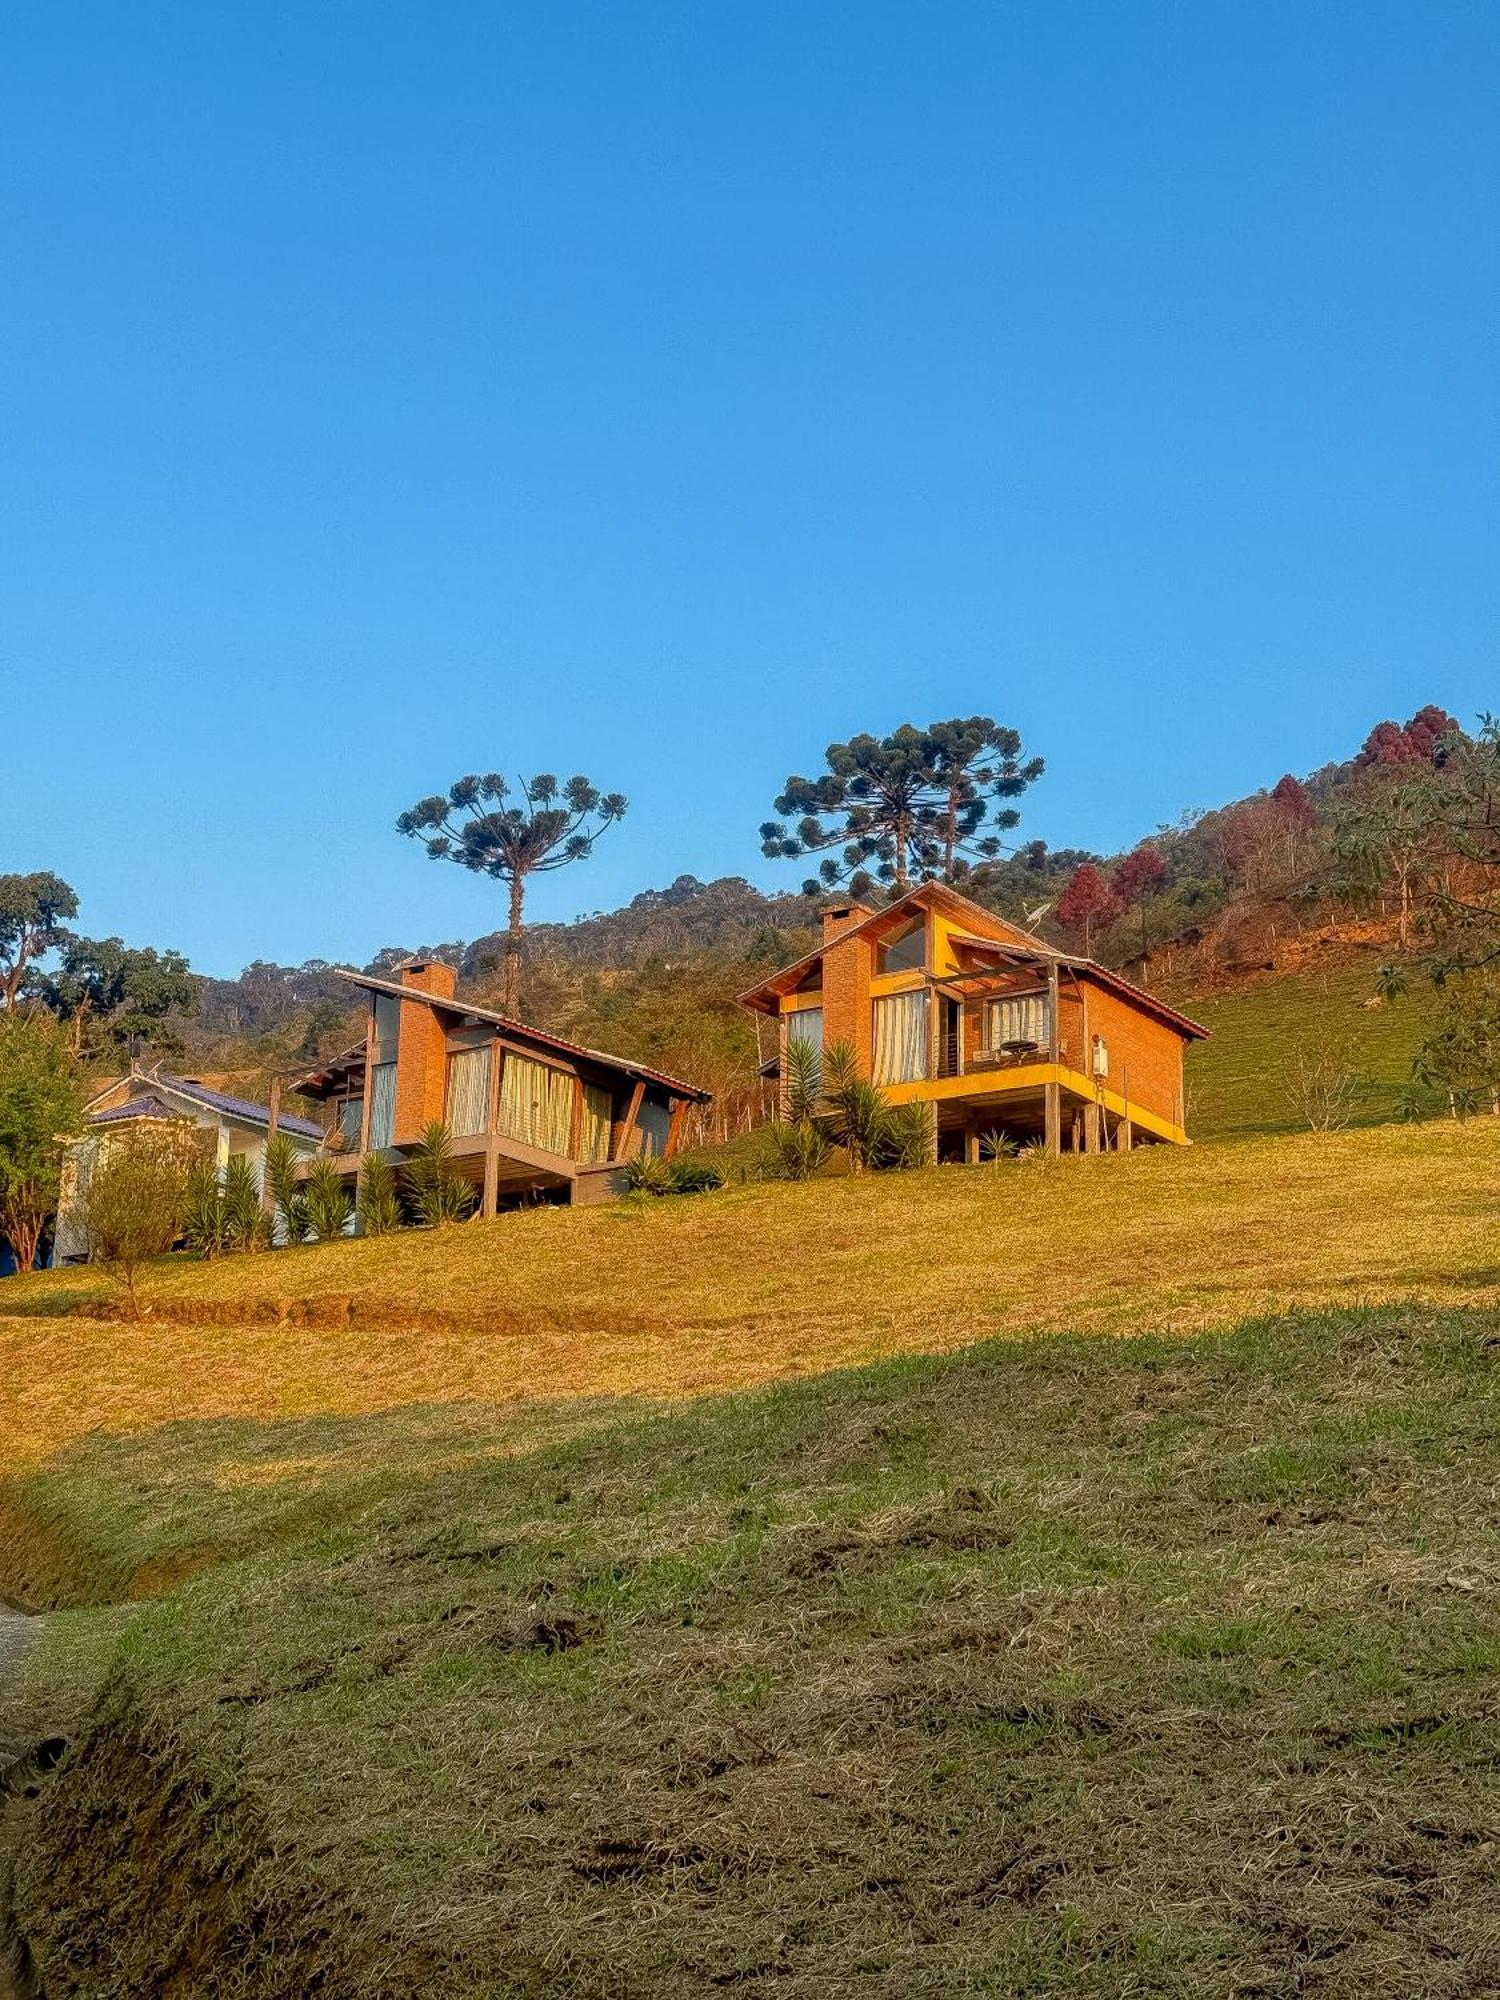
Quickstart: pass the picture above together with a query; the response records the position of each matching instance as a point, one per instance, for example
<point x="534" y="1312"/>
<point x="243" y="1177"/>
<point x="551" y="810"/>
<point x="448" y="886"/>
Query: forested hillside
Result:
<point x="1332" y="868"/>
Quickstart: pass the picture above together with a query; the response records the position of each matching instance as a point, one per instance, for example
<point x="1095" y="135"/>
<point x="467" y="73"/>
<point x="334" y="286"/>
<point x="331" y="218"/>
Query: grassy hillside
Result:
<point x="1063" y="1667"/>
<point x="1239" y="1083"/>
<point x="667" y="1298"/>
<point x="507" y="1622"/>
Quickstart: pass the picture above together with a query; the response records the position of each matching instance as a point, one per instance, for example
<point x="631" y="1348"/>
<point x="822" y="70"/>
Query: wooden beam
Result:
<point x="489" y="1199"/>
<point x="674" y="1128"/>
<point x="625" y="1131"/>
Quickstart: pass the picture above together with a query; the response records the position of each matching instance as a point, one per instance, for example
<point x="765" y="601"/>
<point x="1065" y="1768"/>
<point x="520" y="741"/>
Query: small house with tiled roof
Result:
<point x="224" y="1124"/>
<point x="1004" y="1036"/>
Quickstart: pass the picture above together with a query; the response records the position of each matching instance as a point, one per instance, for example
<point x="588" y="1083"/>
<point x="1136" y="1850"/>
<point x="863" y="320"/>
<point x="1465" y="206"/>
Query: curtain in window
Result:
<point x="382" y="1103"/>
<point x="536" y="1103"/>
<point x="469" y="1091"/>
<point x="899" y="1054"/>
<point x="1020" y="1020"/>
<point x="593" y="1137"/>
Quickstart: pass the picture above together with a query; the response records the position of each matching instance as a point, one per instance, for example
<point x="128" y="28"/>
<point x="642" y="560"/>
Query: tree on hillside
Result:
<point x="1389" y="835"/>
<point x="1427" y="739"/>
<point x="552" y="826"/>
<point x="1140" y="876"/>
<point x="40" y="1104"/>
<point x="137" y="1201"/>
<point x="1087" y="900"/>
<point x="109" y="991"/>
<point x="33" y="914"/>
<point x="919" y="804"/>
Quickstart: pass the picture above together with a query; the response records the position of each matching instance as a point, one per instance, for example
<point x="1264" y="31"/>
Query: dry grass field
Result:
<point x="650" y="1601"/>
<point x="663" y="1299"/>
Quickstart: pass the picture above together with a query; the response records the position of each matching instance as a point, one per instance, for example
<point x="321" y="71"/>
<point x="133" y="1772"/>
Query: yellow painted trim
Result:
<point x="793" y="1003"/>
<point x="883" y="983"/>
<point x="1031" y="1076"/>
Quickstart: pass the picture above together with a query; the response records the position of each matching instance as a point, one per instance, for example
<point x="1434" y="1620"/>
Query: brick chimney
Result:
<point x="843" y="917"/>
<point x="430" y="975"/>
<point x="422" y="1063"/>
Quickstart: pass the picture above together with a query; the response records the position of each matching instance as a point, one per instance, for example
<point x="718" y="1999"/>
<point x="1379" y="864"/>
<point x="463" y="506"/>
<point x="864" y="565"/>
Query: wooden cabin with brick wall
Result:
<point x="1004" y="1036"/>
<point x="531" y="1116"/>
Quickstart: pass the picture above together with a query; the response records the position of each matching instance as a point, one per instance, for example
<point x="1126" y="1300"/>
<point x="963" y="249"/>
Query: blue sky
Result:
<point x="662" y="391"/>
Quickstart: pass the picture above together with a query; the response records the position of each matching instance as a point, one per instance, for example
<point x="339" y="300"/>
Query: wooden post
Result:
<point x="1127" y="1131"/>
<point x="1052" y="1096"/>
<point x="489" y="1199"/>
<point x="272" y="1121"/>
<point x="575" y="1119"/>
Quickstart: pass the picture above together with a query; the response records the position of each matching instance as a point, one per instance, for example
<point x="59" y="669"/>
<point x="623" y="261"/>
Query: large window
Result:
<point x="469" y="1091"/>
<point x="387" y="1022"/>
<point x="905" y="950"/>
<point x="351" y="1120"/>
<point x="382" y="1104"/>
<point x="1023" y="1019"/>
<point x="899" y="1050"/>
<point x="594" y="1131"/>
<point x="536" y="1103"/>
<point x="805" y="1025"/>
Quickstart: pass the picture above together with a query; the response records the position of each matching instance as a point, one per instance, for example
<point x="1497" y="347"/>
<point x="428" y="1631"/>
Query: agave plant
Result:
<point x="379" y="1206"/>
<point x="203" y="1212"/>
<point x="246" y="1224"/>
<point x="327" y="1201"/>
<point x="859" y="1116"/>
<point x="440" y="1193"/>
<point x="796" y="1149"/>
<point x="906" y="1140"/>
<point x="285" y="1188"/>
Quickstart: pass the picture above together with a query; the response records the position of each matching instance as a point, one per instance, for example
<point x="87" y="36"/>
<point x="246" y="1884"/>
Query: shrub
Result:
<point x="134" y="1207"/>
<point x="378" y="1204"/>
<point x="646" y="1174"/>
<point x="906" y="1137"/>
<point x="39" y="1099"/>
<point x="649" y="1175"/>
<point x="796" y="1149"/>
<point x="328" y="1207"/>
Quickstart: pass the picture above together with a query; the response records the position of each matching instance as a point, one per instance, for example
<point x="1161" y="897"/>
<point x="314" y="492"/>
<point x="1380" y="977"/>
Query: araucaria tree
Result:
<point x="553" y="824"/>
<point x="917" y="805"/>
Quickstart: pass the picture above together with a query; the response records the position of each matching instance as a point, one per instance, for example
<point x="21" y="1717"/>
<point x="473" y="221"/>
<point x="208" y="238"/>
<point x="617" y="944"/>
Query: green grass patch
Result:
<point x="1067" y="1666"/>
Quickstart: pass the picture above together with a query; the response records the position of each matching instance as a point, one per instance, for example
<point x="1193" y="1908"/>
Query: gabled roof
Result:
<point x="159" y="1081"/>
<point x="523" y="1032"/>
<point x="1003" y="939"/>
